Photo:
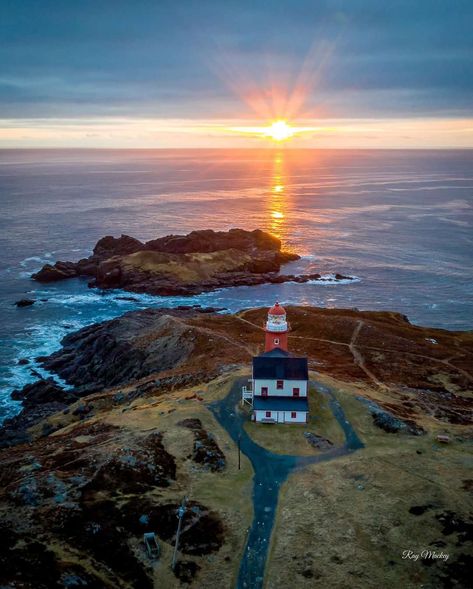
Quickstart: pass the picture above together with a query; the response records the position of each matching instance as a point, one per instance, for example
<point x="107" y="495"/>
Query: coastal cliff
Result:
<point x="182" y="264"/>
<point x="90" y="467"/>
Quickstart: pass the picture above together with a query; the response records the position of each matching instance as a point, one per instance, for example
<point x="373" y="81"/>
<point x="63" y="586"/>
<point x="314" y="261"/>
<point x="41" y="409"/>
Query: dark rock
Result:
<point x="25" y="302"/>
<point x="109" y="268"/>
<point x="135" y="470"/>
<point x="388" y="422"/>
<point x="191" y="423"/>
<point x="60" y="271"/>
<point x="109" y="275"/>
<point x="391" y="425"/>
<point x="106" y="269"/>
<point x="105" y="354"/>
<point x="14" y="430"/>
<point x="185" y="570"/>
<point x="342" y="277"/>
<point x="318" y="441"/>
<point x="467" y="485"/>
<point x="203" y="529"/>
<point x="43" y="391"/>
<point x="206" y="450"/>
<point x="23" y="361"/>
<point x="29" y="564"/>
<point x="307" y="573"/>
<point x="109" y="246"/>
<point x="457" y="573"/>
<point x="119" y="398"/>
<point x="96" y="529"/>
<point x="82" y="410"/>
<point x="39" y="399"/>
<point x="208" y="240"/>
<point x="453" y="523"/>
<point x="419" y="509"/>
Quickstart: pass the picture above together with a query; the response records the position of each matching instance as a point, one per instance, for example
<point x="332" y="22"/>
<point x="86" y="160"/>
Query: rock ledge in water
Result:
<point x="183" y="265"/>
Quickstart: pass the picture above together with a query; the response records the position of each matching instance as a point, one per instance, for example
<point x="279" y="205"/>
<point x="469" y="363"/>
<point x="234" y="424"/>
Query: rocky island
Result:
<point x="86" y="469"/>
<point x="182" y="264"/>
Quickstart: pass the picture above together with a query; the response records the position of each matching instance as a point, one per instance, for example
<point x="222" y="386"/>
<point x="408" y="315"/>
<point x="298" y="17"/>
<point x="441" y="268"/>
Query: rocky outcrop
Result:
<point x="189" y="274"/>
<point x="318" y="442"/>
<point x="182" y="264"/>
<point x="123" y="350"/>
<point x="206" y="450"/>
<point x="39" y="399"/>
<point x="208" y="240"/>
<point x="25" y="302"/>
<point x="109" y="246"/>
<point x="390" y="424"/>
<point x="149" y="350"/>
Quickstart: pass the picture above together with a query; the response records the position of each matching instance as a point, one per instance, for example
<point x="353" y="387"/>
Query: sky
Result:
<point x="187" y="73"/>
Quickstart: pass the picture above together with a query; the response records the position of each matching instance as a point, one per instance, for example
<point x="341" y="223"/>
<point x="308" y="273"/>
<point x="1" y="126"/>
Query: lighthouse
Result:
<point x="279" y="383"/>
<point x="276" y="329"/>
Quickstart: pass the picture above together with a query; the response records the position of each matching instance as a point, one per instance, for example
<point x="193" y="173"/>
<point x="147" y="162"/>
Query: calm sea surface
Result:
<point x="400" y="221"/>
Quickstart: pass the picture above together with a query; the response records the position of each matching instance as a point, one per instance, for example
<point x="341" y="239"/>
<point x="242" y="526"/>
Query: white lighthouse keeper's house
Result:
<point x="279" y="380"/>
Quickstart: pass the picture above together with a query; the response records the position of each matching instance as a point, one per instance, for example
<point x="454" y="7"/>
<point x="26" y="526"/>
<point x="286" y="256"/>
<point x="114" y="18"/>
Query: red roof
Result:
<point x="277" y="310"/>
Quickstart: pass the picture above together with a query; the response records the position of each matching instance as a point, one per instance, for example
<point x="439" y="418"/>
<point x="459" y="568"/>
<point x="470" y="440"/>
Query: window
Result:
<point x="268" y="413"/>
<point x="276" y="341"/>
<point x="279" y="384"/>
<point x="293" y="414"/>
<point x="264" y="391"/>
<point x="295" y="392"/>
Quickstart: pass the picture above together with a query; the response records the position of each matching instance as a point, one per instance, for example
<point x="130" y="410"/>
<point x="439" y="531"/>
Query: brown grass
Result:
<point x="187" y="268"/>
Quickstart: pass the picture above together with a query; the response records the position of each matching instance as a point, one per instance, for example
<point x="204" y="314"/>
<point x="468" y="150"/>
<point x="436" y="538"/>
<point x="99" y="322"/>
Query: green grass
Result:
<point x="283" y="438"/>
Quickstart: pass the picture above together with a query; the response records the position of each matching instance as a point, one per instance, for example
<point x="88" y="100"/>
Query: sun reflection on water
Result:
<point x="278" y="198"/>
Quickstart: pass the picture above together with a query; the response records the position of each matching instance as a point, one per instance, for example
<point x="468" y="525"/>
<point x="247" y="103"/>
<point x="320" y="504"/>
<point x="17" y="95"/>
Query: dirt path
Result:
<point x="358" y="356"/>
<point x="270" y="471"/>
<point x="356" y="352"/>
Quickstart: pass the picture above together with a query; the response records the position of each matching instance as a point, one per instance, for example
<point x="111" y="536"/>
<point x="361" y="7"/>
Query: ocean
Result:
<point x="399" y="221"/>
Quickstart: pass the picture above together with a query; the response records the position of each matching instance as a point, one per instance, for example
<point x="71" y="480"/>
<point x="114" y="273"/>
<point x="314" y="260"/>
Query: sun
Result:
<point x="279" y="131"/>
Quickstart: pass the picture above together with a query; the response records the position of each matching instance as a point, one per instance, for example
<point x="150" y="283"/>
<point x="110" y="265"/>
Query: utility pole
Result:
<point x="180" y="514"/>
<point x="239" y="461"/>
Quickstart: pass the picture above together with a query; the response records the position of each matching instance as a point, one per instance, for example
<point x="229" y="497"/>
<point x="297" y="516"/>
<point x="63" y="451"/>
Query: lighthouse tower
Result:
<point x="276" y="329"/>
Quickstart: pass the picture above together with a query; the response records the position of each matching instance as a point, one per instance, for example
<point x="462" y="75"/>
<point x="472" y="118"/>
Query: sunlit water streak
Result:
<point x="399" y="221"/>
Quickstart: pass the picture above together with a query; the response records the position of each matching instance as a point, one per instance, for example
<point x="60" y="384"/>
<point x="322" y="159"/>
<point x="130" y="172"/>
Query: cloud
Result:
<point x="221" y="59"/>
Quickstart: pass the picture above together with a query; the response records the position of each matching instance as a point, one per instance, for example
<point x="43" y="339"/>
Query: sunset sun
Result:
<point x="279" y="131"/>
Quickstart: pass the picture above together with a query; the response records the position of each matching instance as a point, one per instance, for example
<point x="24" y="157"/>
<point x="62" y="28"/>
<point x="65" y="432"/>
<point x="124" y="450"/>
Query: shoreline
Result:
<point x="20" y="375"/>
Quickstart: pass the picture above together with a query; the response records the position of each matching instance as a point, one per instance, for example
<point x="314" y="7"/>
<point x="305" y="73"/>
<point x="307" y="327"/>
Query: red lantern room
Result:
<point x="277" y="309"/>
<point x="276" y="329"/>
